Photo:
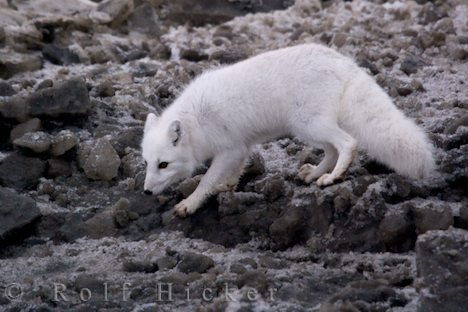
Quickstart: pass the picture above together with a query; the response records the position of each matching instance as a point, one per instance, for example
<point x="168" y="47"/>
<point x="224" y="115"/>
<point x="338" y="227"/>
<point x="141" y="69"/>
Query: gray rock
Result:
<point x="113" y="12"/>
<point x="192" y="262"/>
<point x="31" y="125"/>
<point x="21" y="172"/>
<point x="16" y="212"/>
<point x="102" y="162"/>
<point x="38" y="142"/>
<point x="6" y="89"/>
<point x="411" y="65"/>
<point x="455" y="124"/>
<point x="64" y="141"/>
<point x="189" y="185"/>
<point x="68" y="98"/>
<point x="145" y="19"/>
<point x="100" y="225"/>
<point x="442" y="266"/>
<point x="12" y="63"/>
<point x="122" y="214"/>
<point x="166" y="263"/>
<point x="432" y="216"/>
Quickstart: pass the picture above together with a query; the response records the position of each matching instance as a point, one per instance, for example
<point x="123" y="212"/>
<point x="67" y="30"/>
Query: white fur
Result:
<point x="308" y="91"/>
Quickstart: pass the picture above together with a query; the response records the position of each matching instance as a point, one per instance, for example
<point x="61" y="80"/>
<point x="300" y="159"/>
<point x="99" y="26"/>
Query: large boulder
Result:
<point x="16" y="212"/>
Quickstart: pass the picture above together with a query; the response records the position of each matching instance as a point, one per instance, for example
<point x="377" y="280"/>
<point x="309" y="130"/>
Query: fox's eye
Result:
<point x="163" y="165"/>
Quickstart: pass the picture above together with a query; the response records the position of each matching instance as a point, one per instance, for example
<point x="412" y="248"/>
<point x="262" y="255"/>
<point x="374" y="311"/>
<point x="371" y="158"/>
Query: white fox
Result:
<point x="309" y="91"/>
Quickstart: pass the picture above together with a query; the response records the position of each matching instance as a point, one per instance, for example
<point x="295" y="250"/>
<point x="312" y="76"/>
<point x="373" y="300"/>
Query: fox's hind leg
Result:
<point x="309" y="172"/>
<point x="326" y="132"/>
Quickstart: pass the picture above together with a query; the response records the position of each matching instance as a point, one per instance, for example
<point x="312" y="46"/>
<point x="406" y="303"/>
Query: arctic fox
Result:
<point x="309" y="91"/>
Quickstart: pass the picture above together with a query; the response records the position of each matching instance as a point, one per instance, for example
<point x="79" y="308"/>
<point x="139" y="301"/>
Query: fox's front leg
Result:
<point x="224" y="171"/>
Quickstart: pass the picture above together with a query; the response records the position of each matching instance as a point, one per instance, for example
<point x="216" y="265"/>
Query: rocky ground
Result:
<point x="79" y="77"/>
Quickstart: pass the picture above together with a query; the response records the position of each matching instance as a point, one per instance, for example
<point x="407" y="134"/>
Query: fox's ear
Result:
<point x="151" y="121"/>
<point x="175" y="132"/>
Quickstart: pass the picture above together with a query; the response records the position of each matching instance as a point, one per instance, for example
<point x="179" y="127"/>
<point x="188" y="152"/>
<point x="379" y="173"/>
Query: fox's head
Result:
<point x="167" y="152"/>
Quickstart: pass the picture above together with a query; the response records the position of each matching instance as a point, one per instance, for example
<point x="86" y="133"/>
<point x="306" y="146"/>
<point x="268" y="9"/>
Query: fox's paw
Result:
<point x="326" y="179"/>
<point x="185" y="208"/>
<point x="307" y="173"/>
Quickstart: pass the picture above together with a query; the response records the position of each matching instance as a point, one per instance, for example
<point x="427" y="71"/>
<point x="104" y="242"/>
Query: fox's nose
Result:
<point x="148" y="192"/>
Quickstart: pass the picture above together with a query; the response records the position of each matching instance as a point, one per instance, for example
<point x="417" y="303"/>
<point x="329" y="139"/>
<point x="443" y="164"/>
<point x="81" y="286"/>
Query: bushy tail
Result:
<point x="383" y="131"/>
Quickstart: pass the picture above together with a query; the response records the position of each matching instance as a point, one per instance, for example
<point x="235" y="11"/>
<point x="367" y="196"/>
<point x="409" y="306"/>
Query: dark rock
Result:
<point x="442" y="266"/>
<point x="432" y="216"/>
<point x="455" y="124"/>
<point x="44" y="84"/>
<point x="290" y="228"/>
<point x="12" y="63"/>
<point x="193" y="55"/>
<point x="192" y="262"/>
<point x="200" y="12"/>
<point x="21" y="172"/>
<point x="464" y="217"/>
<point x="397" y="230"/>
<point x="59" y="55"/>
<point x="144" y="19"/>
<point x="256" y="279"/>
<point x="91" y="282"/>
<point x="38" y="142"/>
<point x="411" y="65"/>
<point x="365" y="295"/>
<point x="67" y="98"/>
<point x="6" y="89"/>
<point x="105" y="89"/>
<point x="58" y="168"/>
<point x="32" y="125"/>
<point x="229" y="56"/>
<point x="272" y="187"/>
<point x="231" y="203"/>
<point x="254" y="167"/>
<point x="102" y="162"/>
<point x="16" y="212"/>
<point x="137" y="266"/>
<point x="128" y="137"/>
